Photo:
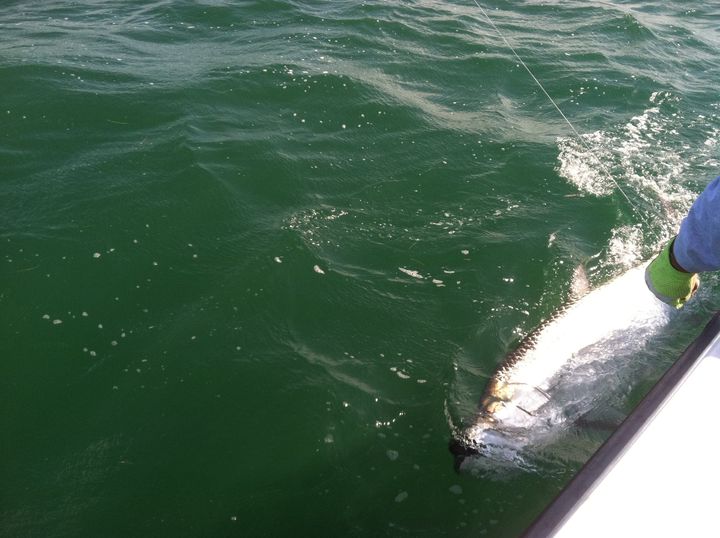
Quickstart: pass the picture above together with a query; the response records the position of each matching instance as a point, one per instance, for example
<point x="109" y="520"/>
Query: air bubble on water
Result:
<point x="400" y="497"/>
<point x="392" y="455"/>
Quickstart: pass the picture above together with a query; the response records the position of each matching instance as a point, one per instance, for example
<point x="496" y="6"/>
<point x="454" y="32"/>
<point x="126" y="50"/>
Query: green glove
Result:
<point x="670" y="285"/>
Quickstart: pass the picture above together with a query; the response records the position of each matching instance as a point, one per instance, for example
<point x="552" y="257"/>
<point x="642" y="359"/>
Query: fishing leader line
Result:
<point x="579" y="137"/>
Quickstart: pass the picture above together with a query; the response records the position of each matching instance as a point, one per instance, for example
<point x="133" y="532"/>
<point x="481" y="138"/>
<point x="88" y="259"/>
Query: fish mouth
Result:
<point x="475" y="441"/>
<point x="462" y="449"/>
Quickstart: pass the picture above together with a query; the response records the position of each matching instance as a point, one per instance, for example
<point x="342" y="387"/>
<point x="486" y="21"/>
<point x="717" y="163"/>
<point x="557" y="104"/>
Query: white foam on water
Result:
<point x="411" y="272"/>
<point x="647" y="157"/>
<point x="581" y="167"/>
<point x="626" y="246"/>
<point x="652" y="162"/>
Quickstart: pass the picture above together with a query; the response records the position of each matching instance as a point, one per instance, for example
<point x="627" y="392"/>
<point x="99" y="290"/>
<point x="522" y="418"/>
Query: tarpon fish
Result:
<point x="614" y="319"/>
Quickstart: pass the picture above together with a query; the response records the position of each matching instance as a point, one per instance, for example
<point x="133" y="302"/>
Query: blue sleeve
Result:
<point x="697" y="247"/>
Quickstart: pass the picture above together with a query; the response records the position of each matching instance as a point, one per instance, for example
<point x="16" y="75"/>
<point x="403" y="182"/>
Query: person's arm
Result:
<point x="697" y="246"/>
<point x="672" y="275"/>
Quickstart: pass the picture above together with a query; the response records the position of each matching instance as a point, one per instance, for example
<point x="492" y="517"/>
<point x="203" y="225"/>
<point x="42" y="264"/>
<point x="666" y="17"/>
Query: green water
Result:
<point x="257" y="257"/>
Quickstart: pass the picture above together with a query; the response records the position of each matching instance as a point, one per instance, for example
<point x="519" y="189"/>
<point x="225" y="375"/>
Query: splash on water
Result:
<point x="645" y="158"/>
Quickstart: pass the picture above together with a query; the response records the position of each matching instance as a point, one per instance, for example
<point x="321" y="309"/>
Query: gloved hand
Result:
<point x="669" y="284"/>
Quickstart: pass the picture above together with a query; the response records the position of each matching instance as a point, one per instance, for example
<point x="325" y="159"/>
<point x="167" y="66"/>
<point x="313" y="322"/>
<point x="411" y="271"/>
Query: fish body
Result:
<point x="615" y="319"/>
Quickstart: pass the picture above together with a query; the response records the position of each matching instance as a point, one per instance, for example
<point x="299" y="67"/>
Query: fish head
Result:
<point x="461" y="449"/>
<point x="491" y="450"/>
<point x="476" y="440"/>
<point x="496" y="397"/>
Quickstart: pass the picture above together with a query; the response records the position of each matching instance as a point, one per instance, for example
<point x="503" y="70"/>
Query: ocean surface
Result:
<point x="258" y="259"/>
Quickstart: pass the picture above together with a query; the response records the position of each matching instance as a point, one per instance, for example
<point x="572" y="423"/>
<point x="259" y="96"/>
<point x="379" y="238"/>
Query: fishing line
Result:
<point x="580" y="138"/>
